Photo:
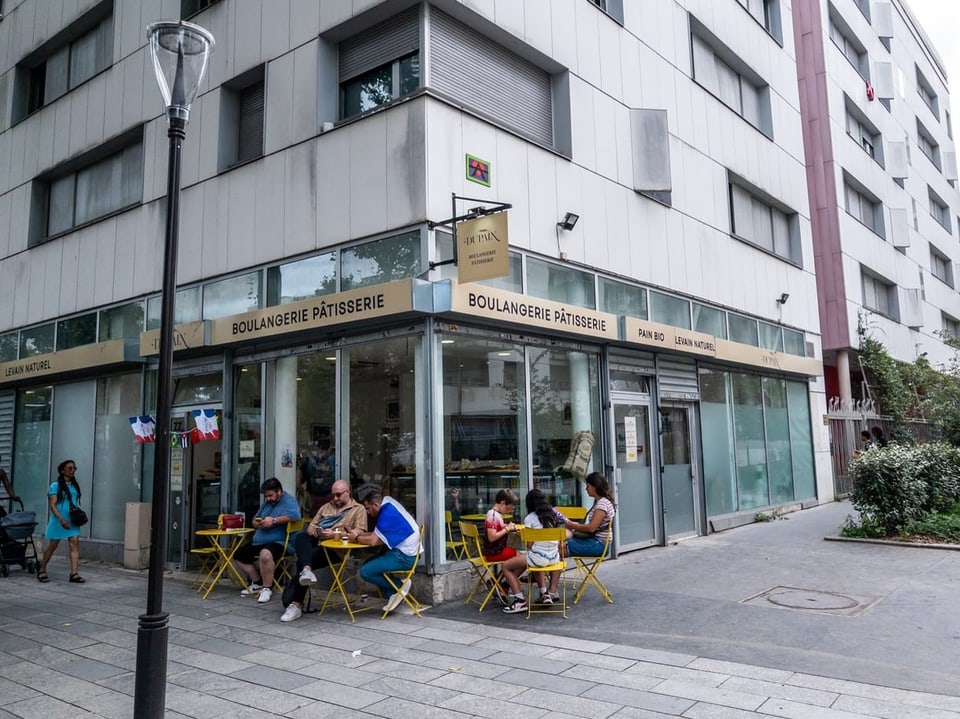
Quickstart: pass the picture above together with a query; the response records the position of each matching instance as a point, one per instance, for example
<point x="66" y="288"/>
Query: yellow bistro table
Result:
<point x="224" y="553"/>
<point x="338" y="557"/>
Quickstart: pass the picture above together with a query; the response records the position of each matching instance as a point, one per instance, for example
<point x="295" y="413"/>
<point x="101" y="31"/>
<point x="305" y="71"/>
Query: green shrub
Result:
<point x="937" y="464"/>
<point x="886" y="489"/>
<point x="944" y="526"/>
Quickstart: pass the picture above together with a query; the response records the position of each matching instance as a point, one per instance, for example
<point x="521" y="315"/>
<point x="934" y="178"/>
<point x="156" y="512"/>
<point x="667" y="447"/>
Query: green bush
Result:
<point x="938" y="465"/>
<point x="886" y="489"/>
<point x="944" y="526"/>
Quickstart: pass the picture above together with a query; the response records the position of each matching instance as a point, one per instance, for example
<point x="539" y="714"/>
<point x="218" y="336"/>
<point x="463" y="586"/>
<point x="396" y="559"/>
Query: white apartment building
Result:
<point x="882" y="169"/>
<point x="669" y="334"/>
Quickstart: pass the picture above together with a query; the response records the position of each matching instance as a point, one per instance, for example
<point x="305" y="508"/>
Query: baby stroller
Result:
<point x="16" y="542"/>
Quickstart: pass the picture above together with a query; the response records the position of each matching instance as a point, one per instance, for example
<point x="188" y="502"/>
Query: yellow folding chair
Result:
<point x="550" y="534"/>
<point x="404" y="577"/>
<point x="577" y="514"/>
<point x="288" y="560"/>
<point x="208" y="562"/>
<point x="586" y="569"/>
<point x="484" y="571"/>
<point x="454" y="546"/>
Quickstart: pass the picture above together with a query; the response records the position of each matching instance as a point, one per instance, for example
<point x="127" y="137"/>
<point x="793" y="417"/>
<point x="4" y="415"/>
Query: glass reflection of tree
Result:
<point x="381" y="261"/>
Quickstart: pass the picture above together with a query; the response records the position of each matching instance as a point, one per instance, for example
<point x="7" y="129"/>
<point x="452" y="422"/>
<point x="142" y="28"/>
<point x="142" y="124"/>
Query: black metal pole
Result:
<point x="150" y="689"/>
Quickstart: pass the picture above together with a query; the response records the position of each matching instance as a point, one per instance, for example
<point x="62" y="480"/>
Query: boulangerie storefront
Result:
<point x="444" y="394"/>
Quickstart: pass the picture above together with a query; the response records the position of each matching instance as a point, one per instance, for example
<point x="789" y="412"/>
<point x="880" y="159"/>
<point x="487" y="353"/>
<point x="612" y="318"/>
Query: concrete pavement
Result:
<point x="705" y="629"/>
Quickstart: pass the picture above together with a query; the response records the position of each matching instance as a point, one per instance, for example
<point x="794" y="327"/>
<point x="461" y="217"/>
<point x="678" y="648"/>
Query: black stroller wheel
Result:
<point x="31" y="566"/>
<point x="4" y="570"/>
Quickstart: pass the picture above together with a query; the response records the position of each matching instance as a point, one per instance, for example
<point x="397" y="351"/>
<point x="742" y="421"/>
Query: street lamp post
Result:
<point x="180" y="51"/>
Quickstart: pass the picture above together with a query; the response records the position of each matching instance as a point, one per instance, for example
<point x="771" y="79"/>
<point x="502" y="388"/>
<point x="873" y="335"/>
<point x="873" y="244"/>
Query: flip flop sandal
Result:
<point x="42" y="577"/>
<point x="77" y="579"/>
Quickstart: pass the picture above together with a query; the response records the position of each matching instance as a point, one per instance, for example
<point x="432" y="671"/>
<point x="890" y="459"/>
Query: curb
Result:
<point x="895" y="543"/>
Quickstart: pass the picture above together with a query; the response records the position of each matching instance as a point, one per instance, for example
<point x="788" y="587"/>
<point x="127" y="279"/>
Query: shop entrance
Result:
<point x="679" y="480"/>
<point x="636" y="515"/>
<point x="195" y="475"/>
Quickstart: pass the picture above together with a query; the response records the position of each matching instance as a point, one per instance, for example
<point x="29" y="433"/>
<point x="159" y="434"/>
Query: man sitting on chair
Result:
<point x="345" y="514"/>
<point x="395" y="529"/>
<point x="277" y="509"/>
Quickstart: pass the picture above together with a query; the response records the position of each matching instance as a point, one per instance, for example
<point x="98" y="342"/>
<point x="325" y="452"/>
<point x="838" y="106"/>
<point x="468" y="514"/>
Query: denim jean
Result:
<point x="392" y="561"/>
<point x="589" y="547"/>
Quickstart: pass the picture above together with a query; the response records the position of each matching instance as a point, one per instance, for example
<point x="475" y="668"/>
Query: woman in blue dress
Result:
<point x="60" y="495"/>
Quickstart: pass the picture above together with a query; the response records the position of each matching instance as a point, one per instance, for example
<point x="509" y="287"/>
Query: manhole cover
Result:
<point x="812" y="600"/>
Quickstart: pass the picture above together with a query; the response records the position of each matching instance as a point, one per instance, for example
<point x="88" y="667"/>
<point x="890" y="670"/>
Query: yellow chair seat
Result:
<point x="483" y="570"/>
<point x="586" y="569"/>
<point x="551" y="534"/>
<point x="400" y="577"/>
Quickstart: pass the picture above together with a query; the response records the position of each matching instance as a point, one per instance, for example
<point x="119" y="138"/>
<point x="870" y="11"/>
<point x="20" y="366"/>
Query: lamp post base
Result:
<point x="150" y="688"/>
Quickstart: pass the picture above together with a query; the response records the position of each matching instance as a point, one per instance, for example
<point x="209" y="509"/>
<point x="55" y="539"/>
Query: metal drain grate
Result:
<point x="813" y="600"/>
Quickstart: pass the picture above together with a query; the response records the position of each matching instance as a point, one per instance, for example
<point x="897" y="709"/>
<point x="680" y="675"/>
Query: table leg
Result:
<point x="225" y="561"/>
<point x="338" y="586"/>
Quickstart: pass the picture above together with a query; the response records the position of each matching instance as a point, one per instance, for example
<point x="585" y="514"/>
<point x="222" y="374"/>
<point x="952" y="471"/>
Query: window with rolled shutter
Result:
<point x="250" y="122"/>
<point x="479" y="74"/>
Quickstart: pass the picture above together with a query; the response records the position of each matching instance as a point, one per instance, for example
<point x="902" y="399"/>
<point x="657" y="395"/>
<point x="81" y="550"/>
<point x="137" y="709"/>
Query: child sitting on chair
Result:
<point x="495" y="548"/>
<point x="540" y="515"/>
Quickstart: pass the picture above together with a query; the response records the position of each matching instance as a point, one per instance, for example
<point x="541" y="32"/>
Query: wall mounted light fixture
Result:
<point x="782" y="299"/>
<point x="569" y="221"/>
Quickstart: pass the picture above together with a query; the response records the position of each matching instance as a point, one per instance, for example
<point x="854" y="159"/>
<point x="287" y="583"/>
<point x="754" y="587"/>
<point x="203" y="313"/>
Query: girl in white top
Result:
<point x="541" y="554"/>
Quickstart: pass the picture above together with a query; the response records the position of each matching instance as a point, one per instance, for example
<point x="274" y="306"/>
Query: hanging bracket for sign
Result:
<point x="486" y="208"/>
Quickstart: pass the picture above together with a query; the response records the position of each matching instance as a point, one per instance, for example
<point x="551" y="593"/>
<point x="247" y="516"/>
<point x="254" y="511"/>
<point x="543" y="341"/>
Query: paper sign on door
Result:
<point x="630" y="435"/>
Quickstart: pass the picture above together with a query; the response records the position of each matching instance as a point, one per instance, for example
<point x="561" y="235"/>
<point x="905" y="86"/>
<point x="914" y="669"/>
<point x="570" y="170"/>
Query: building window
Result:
<point x="731" y="80"/>
<point x="793" y="342"/>
<point x="759" y="222"/>
<point x="621" y="299"/>
<point x="669" y="310"/>
<point x="123" y="321"/>
<point x="560" y="283"/>
<point x="106" y="180"/>
<point x="37" y="340"/>
<point x="231" y="296"/>
<point x="866" y="208"/>
<point x="928" y="94"/>
<point x="9" y="343"/>
<point x="189" y="8"/>
<point x="499" y="85"/>
<point x="380" y="64"/>
<point x="302" y="279"/>
<point x="77" y="331"/>
<point x="864" y="6"/>
<point x="709" y="320"/>
<point x="70" y="58"/>
<point x="939" y="210"/>
<point x="743" y="329"/>
<point x="928" y="146"/>
<point x="380" y="261"/>
<point x="186" y="308"/>
<point x="771" y="337"/>
<point x="241" y="118"/>
<point x="946" y="118"/>
<point x="879" y="295"/>
<point x="767" y="13"/>
<point x="863" y="132"/>
<point x="613" y="8"/>
<point x="848" y="44"/>
<point x="940" y="267"/>
<point x="951" y="327"/>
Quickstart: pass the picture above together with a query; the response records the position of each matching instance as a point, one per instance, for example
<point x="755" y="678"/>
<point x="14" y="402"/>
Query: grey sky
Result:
<point x="941" y="20"/>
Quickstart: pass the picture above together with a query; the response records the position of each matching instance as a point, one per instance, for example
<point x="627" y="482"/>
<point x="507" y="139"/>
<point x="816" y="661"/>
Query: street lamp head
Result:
<point x="180" y="51"/>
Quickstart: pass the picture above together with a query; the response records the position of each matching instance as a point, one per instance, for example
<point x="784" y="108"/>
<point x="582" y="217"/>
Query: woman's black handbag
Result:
<point x="77" y="516"/>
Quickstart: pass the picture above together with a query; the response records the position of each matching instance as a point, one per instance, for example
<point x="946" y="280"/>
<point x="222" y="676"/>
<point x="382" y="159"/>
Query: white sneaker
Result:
<point x="265" y="595"/>
<point x="394" y="601"/>
<point x="292" y="613"/>
<point x="254" y="588"/>
<point x="307" y="578"/>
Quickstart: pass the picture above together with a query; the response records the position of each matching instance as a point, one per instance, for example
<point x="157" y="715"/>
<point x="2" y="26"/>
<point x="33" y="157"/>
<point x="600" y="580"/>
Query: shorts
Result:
<point x="535" y="559"/>
<point x="249" y="553"/>
<point x="507" y="553"/>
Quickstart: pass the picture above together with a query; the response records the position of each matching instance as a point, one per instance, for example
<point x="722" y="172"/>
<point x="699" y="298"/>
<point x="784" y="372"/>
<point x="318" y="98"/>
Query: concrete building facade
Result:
<point x="658" y="319"/>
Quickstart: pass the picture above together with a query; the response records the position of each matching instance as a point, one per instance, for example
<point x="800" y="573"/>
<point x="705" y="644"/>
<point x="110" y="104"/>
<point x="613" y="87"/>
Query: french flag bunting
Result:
<point x="206" y="420"/>
<point x="144" y="428"/>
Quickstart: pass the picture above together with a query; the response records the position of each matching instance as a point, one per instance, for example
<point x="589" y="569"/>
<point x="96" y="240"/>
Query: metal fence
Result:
<point x="845" y="441"/>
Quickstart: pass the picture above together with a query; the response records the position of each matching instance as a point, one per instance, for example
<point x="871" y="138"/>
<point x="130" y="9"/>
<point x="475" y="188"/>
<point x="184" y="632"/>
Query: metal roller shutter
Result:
<point x="489" y="79"/>
<point x="678" y="378"/>
<point x="383" y="43"/>
<point x="7" y="409"/>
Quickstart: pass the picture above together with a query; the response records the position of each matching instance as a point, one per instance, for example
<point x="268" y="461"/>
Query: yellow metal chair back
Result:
<point x="550" y="534"/>
<point x="484" y="571"/>
<point x="454" y="546"/>
<point x="399" y="578"/>
<point x="586" y="568"/>
<point x="287" y="562"/>
<point x="577" y="514"/>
